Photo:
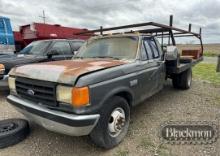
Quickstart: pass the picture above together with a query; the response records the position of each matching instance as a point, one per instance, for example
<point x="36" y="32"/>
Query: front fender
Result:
<point x="117" y="91"/>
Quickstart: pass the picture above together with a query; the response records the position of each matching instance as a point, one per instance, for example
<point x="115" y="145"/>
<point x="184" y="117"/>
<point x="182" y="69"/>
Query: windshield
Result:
<point x="35" y="48"/>
<point x="116" y="48"/>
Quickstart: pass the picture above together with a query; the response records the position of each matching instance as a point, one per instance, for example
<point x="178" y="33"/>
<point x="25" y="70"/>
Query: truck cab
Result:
<point x="131" y="65"/>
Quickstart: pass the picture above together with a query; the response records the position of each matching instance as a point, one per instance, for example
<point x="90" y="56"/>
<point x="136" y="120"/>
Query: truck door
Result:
<point x="160" y="62"/>
<point x="151" y="68"/>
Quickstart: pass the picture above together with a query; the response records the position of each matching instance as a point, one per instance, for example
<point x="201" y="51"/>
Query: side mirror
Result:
<point x="75" y="52"/>
<point x="52" y="53"/>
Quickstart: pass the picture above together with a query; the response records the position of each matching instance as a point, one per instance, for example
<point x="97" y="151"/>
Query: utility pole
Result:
<point x="43" y="17"/>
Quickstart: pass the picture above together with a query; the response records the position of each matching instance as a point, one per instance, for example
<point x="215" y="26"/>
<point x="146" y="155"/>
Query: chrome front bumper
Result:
<point x="4" y="83"/>
<point x="60" y="122"/>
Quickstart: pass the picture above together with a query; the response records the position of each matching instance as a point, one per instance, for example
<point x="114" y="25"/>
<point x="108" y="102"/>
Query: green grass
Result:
<point x="207" y="72"/>
<point x="211" y="54"/>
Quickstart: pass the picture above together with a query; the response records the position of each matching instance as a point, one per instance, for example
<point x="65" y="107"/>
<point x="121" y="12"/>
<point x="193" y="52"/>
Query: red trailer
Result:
<point x="19" y="42"/>
<point x="40" y="31"/>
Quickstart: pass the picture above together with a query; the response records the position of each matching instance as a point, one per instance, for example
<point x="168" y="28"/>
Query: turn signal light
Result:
<point x="2" y="68"/>
<point x="80" y="96"/>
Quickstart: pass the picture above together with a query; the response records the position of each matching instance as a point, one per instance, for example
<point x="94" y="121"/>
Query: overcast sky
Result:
<point x="94" y="13"/>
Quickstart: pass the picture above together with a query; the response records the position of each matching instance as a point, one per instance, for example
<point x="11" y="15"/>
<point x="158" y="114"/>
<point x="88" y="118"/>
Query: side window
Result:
<point x="159" y="47"/>
<point x="143" y="53"/>
<point x="154" y="48"/>
<point x="63" y="48"/>
<point x="148" y="49"/>
<point x="76" y="45"/>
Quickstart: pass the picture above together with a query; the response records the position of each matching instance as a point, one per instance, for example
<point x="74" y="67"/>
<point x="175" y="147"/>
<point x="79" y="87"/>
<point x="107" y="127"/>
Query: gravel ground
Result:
<point x="201" y="102"/>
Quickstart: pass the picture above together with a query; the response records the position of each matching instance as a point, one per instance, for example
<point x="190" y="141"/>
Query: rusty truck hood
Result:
<point x="63" y="71"/>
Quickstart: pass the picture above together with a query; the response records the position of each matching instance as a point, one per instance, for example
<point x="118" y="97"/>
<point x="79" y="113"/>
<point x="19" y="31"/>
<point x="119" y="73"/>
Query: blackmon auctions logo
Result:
<point x="190" y="132"/>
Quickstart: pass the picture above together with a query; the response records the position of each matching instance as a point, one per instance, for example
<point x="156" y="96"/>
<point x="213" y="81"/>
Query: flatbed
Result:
<point x="183" y="66"/>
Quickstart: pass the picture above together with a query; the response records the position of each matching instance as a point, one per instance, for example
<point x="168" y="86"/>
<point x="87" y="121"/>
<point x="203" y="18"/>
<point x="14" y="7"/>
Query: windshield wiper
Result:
<point x="105" y="57"/>
<point x="77" y="57"/>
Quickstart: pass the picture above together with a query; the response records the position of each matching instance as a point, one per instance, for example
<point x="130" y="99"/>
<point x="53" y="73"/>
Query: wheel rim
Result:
<point x="116" y="122"/>
<point x="189" y="81"/>
<point x="7" y="127"/>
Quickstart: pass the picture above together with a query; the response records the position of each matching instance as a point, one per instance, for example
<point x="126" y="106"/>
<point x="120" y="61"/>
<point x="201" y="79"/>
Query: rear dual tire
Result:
<point x="182" y="80"/>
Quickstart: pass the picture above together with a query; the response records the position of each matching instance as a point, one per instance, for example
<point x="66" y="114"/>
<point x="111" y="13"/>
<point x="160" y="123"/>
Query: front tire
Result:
<point x="113" y="123"/>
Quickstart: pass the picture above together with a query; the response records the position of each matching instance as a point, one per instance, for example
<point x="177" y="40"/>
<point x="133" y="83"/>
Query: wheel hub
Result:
<point x="116" y="122"/>
<point x="7" y="127"/>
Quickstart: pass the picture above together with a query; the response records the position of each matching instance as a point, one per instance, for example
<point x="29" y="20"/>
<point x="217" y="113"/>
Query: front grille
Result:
<point x="41" y="92"/>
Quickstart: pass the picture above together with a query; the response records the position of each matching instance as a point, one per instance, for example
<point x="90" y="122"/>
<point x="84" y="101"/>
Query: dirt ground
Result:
<point x="201" y="102"/>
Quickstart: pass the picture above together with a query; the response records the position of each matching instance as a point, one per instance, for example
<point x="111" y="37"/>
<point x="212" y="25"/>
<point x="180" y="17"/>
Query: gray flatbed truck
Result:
<point x="93" y="93"/>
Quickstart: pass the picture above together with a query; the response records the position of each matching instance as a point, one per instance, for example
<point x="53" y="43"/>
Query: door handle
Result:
<point x="159" y="62"/>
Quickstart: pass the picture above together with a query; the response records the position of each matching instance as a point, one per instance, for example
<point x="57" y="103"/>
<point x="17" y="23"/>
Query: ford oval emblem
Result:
<point x="30" y="92"/>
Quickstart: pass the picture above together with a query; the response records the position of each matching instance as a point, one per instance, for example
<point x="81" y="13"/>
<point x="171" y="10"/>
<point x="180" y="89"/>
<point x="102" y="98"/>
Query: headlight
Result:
<point x="76" y="96"/>
<point x="2" y="69"/>
<point x="64" y="94"/>
<point x="11" y="84"/>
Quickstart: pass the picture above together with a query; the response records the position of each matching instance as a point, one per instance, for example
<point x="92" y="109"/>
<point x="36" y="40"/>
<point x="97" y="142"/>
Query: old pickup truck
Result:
<point x="37" y="51"/>
<point x="93" y="93"/>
